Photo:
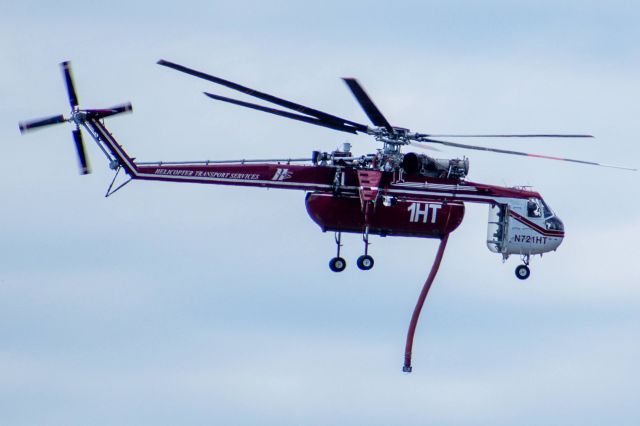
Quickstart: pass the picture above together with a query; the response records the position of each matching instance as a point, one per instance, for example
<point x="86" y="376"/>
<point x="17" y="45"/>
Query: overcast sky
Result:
<point x="188" y="304"/>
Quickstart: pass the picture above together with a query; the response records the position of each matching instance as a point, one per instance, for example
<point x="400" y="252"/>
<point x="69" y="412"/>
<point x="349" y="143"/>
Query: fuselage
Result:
<point x="347" y="196"/>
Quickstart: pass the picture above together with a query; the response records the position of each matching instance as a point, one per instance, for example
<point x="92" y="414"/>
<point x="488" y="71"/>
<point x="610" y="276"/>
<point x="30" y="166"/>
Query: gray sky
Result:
<point x="193" y="304"/>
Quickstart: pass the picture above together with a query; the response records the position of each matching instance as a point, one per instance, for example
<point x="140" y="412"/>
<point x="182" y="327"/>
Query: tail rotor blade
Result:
<point x="82" y="157"/>
<point x="26" y="126"/>
<point x="119" y="109"/>
<point x="68" y="80"/>
<point x="107" y="112"/>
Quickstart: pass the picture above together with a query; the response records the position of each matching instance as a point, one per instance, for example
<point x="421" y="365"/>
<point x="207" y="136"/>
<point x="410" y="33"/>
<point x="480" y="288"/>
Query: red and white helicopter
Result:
<point x="386" y="193"/>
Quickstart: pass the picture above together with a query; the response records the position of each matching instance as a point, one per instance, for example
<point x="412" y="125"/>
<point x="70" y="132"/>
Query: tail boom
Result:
<point x="263" y="175"/>
<point x="114" y="151"/>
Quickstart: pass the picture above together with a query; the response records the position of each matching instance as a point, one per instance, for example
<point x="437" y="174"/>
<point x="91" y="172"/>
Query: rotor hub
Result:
<point x="78" y="117"/>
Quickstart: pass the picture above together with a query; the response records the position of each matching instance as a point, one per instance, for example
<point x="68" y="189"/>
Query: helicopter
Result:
<point x="388" y="193"/>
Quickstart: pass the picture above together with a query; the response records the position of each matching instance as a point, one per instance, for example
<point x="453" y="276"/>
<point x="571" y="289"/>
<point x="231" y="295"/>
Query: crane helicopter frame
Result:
<point x="386" y="193"/>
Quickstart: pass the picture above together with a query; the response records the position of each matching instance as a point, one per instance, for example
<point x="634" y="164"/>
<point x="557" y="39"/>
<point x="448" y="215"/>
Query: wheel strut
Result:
<point x="338" y="237"/>
<point x="365" y="238"/>
<point x="337" y="264"/>
<point x="365" y="262"/>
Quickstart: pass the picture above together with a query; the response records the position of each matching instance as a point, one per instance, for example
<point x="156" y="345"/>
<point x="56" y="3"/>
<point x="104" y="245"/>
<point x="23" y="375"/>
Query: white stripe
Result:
<point x="211" y="179"/>
<point x="436" y="186"/>
<point x="452" y="195"/>
<point x="408" y="200"/>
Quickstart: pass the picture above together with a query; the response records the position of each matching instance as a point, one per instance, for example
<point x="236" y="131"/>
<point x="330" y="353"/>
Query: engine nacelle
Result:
<point x="424" y="165"/>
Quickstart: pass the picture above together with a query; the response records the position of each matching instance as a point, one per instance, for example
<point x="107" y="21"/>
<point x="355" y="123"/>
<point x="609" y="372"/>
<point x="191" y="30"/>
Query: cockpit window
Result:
<point x="554" y="224"/>
<point x="546" y="210"/>
<point x="534" y="208"/>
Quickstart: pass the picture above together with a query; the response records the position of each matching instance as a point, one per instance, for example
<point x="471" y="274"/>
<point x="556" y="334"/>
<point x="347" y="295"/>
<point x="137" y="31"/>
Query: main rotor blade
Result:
<point x="68" y="81"/>
<point x="82" y="157"/>
<point x="320" y="115"/>
<point x="424" y="146"/>
<point x="367" y="104"/>
<point x="526" y="154"/>
<point x="291" y="115"/>
<point x="107" y="112"/>
<point x="34" y="124"/>
<point x="512" y="136"/>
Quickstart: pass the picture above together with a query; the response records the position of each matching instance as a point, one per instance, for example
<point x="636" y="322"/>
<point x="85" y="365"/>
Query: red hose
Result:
<point x="423" y="295"/>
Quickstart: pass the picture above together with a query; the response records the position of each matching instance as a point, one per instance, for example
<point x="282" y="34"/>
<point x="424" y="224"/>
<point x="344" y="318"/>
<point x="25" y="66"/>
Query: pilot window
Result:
<point x="533" y="208"/>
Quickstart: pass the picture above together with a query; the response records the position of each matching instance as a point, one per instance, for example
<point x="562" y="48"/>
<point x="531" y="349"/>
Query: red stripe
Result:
<point x="548" y="157"/>
<point x="535" y="226"/>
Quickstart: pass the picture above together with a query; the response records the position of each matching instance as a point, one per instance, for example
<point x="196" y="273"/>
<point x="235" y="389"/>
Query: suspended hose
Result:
<point x="423" y="295"/>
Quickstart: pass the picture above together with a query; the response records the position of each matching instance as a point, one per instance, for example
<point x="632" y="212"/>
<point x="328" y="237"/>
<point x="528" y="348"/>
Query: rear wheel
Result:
<point x="365" y="262"/>
<point x="337" y="264"/>
<point x="523" y="272"/>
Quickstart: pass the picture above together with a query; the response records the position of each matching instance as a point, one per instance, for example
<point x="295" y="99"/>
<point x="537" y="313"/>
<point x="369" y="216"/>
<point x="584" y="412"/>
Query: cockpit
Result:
<point x="538" y="209"/>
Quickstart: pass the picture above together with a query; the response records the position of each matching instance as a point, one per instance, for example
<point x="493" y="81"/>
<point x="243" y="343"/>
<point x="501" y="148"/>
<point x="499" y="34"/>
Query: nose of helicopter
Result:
<point x="556" y="228"/>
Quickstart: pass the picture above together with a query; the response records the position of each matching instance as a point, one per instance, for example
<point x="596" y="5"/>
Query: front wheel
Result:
<point x="365" y="262"/>
<point x="523" y="272"/>
<point x="337" y="264"/>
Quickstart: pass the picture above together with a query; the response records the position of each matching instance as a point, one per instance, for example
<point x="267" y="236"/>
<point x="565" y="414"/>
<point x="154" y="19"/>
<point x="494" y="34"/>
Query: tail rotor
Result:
<point x="77" y="116"/>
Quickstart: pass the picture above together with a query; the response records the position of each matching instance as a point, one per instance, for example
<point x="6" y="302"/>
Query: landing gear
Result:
<point x="337" y="264"/>
<point x="365" y="262"/>
<point x="523" y="271"/>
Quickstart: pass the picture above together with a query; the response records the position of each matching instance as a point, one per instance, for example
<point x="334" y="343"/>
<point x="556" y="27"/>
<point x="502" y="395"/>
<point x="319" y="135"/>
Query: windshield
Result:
<point x="546" y="210"/>
<point x="551" y="221"/>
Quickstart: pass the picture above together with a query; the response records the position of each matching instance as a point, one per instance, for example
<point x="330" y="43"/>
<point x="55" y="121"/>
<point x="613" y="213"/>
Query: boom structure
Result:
<point x="335" y="172"/>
